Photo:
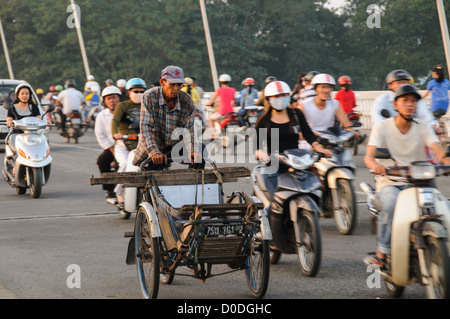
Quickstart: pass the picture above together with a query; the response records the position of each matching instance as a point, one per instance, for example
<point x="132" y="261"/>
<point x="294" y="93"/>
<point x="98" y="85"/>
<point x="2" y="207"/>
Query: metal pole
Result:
<point x="5" y="48"/>
<point x="80" y="39"/>
<point x="212" y="60"/>
<point x="444" y="30"/>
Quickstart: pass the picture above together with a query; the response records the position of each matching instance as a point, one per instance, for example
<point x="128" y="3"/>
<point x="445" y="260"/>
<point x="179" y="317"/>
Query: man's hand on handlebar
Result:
<point x="159" y="159"/>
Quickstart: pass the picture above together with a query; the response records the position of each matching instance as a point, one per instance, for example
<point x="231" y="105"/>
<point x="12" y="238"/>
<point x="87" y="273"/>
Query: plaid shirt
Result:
<point x="158" y="123"/>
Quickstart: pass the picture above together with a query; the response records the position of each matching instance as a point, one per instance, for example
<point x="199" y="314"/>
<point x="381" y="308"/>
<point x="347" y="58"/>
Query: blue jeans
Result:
<point x="387" y="196"/>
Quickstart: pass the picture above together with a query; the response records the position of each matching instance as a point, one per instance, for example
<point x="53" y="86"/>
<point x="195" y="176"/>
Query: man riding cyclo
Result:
<point x="167" y="112"/>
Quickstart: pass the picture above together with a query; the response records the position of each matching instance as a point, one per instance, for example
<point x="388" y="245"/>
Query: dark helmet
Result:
<point x="438" y="68"/>
<point x="270" y="79"/>
<point x="407" y="89"/>
<point x="398" y="75"/>
<point x="309" y="76"/>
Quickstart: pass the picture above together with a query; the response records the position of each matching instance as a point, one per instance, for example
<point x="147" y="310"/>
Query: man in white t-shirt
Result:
<point x="71" y="100"/>
<point x="322" y="111"/>
<point x="405" y="137"/>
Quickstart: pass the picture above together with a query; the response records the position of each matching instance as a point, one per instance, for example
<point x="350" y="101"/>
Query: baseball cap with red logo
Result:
<point x="173" y="74"/>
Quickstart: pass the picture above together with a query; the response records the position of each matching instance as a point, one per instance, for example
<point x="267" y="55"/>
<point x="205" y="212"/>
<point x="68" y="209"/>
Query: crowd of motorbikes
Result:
<point x="306" y="187"/>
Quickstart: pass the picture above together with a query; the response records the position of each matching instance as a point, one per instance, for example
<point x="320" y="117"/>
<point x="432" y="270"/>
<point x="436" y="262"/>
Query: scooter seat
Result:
<point x="267" y="183"/>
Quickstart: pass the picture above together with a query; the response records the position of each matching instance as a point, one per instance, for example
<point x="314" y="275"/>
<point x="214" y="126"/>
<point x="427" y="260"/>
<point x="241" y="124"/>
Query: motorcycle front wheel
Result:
<point x="346" y="217"/>
<point x="35" y="182"/>
<point x="438" y="265"/>
<point x="309" y="249"/>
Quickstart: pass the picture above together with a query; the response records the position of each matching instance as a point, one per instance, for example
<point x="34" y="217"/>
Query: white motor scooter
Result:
<point x="337" y="174"/>
<point x="29" y="166"/>
<point x="420" y="240"/>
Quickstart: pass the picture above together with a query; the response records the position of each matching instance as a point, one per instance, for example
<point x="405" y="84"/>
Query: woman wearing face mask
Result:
<point x="291" y="124"/>
<point x="126" y="122"/>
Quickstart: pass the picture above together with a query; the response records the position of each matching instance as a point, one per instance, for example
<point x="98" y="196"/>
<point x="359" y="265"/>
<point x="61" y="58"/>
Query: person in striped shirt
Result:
<point x="167" y="124"/>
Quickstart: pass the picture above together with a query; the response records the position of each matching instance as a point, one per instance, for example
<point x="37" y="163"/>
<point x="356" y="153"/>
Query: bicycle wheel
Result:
<point x="258" y="263"/>
<point x="147" y="256"/>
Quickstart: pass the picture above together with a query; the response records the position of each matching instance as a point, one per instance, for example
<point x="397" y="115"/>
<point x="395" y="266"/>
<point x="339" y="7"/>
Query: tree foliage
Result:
<point x="252" y="38"/>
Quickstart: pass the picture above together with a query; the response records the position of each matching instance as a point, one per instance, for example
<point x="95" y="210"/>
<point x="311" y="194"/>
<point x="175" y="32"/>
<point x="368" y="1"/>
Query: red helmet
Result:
<point x="249" y="81"/>
<point x="343" y="80"/>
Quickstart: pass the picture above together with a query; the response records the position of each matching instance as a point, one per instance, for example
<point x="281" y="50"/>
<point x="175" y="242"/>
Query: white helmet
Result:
<point x="224" y="78"/>
<point x="121" y="83"/>
<point x="323" y="78"/>
<point x="91" y="77"/>
<point x="110" y="90"/>
<point x="277" y="88"/>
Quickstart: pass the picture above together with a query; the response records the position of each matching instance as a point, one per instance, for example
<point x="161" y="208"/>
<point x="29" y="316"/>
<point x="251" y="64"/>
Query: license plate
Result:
<point x="216" y="230"/>
<point x="76" y="121"/>
<point x="252" y="119"/>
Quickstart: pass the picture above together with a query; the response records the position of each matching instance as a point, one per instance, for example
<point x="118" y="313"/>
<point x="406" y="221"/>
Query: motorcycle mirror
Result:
<point x="50" y="108"/>
<point x="382" y="153"/>
<point x="385" y="113"/>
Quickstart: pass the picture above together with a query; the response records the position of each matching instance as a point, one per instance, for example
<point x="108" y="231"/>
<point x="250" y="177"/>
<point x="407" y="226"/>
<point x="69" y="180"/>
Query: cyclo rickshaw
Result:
<point x="183" y="220"/>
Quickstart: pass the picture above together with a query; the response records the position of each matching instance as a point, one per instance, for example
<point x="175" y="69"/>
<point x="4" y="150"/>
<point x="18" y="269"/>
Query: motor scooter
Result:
<point x="29" y="165"/>
<point x="354" y="118"/>
<point x="337" y="174"/>
<point x="420" y="240"/>
<point x="91" y="112"/>
<point x="292" y="196"/>
<point x="253" y="113"/>
<point x="73" y="127"/>
<point x="444" y="138"/>
<point x="227" y="129"/>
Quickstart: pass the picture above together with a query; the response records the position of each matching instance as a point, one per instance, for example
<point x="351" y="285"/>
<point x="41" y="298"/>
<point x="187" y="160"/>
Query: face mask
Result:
<point x="136" y="98"/>
<point x="280" y="103"/>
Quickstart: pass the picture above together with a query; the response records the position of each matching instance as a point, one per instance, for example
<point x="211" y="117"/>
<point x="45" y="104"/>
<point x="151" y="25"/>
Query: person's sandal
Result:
<point x="375" y="261"/>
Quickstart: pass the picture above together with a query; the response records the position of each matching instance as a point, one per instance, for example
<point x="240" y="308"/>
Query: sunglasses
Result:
<point x="138" y="92"/>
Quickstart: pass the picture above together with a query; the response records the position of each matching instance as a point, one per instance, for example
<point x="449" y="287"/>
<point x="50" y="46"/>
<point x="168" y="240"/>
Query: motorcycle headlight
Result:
<point x="33" y="139"/>
<point x="345" y="136"/>
<point x="301" y="162"/>
<point x="422" y="170"/>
